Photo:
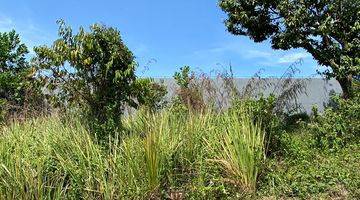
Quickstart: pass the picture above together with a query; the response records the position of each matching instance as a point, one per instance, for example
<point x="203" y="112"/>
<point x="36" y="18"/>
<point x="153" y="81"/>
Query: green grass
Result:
<point x="305" y="172"/>
<point x="160" y="155"/>
<point x="241" y="149"/>
<point x="207" y="155"/>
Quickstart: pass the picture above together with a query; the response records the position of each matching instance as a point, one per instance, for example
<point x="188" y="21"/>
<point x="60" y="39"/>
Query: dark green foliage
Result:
<point x="338" y="125"/>
<point x="183" y="77"/>
<point x="293" y="120"/>
<point x="304" y="172"/>
<point x="327" y="29"/>
<point x="93" y="70"/>
<point x="12" y="52"/>
<point x="263" y="108"/>
<point x="20" y="92"/>
<point x="149" y="94"/>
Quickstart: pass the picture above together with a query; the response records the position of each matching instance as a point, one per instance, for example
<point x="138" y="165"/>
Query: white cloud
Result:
<point x="260" y="57"/>
<point x="235" y="48"/>
<point x="293" y="57"/>
<point x="29" y="32"/>
<point x="6" y="23"/>
<point x="258" y="54"/>
<point x="215" y="50"/>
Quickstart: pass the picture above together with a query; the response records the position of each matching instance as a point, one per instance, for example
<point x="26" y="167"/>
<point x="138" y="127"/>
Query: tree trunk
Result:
<point x="346" y="86"/>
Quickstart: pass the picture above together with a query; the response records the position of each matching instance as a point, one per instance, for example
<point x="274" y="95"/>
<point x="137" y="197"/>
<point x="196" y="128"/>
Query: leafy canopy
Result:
<point x="12" y="63"/>
<point x="17" y="83"/>
<point x="12" y="52"/>
<point x="327" y="29"/>
<point x="92" y="69"/>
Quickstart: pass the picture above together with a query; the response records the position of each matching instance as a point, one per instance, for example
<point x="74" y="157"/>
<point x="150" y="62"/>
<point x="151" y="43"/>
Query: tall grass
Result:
<point x="241" y="148"/>
<point x="160" y="143"/>
<point x="46" y="159"/>
<point x="160" y="154"/>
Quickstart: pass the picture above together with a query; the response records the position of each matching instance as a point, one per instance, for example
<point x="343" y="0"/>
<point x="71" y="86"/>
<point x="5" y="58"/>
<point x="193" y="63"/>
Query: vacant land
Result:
<point x="78" y="122"/>
<point x="170" y="155"/>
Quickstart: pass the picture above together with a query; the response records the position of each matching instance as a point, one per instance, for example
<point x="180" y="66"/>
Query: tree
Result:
<point x="328" y="29"/>
<point x="149" y="94"/>
<point x="17" y="81"/>
<point x="94" y="70"/>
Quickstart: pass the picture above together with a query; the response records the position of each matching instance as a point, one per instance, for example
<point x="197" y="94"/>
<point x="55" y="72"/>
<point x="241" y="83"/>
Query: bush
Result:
<point x="339" y="125"/>
<point x="149" y="94"/>
<point x="304" y="172"/>
<point x="296" y="119"/>
<point x="190" y="93"/>
<point x="92" y="70"/>
<point x="263" y="110"/>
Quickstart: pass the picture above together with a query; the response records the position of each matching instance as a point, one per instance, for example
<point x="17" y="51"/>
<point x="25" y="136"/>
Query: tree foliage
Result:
<point x="92" y="69"/>
<point x="18" y="86"/>
<point x="327" y="29"/>
<point x="149" y="94"/>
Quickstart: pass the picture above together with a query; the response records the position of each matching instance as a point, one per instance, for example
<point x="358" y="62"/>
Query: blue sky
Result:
<point x="163" y="34"/>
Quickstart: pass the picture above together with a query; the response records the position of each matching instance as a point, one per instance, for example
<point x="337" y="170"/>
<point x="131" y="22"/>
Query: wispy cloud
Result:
<point x="234" y="48"/>
<point x="293" y="57"/>
<point x="29" y="32"/>
<point x="6" y="23"/>
<point x="260" y="56"/>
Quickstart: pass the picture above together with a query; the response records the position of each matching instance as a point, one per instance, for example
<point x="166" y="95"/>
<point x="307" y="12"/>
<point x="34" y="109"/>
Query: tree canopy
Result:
<point x="93" y="68"/>
<point x="328" y="29"/>
<point x="12" y="52"/>
<point x="16" y="76"/>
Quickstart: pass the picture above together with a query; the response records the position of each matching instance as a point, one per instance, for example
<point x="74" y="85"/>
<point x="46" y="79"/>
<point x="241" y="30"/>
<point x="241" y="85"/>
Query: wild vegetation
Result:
<point x="327" y="29"/>
<point x="76" y="122"/>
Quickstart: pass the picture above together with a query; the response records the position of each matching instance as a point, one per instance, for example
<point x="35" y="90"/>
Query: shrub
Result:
<point x="190" y="92"/>
<point x="296" y="119"/>
<point x="93" y="70"/>
<point x="305" y="172"/>
<point x="263" y="110"/>
<point x="149" y="94"/>
<point x="338" y="125"/>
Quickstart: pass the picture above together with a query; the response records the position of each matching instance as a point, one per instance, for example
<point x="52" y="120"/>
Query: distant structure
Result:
<point x="317" y="90"/>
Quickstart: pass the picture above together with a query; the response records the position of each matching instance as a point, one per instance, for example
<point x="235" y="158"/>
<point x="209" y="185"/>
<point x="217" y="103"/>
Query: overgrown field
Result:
<point x="76" y="122"/>
<point x="175" y="155"/>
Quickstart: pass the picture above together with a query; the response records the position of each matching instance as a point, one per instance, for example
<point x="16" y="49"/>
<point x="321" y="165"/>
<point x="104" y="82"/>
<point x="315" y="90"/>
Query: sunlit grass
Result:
<point x="241" y="150"/>
<point x="158" y="153"/>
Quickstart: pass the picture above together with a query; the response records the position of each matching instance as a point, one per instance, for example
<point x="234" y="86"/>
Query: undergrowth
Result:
<point x="309" y="173"/>
<point x="161" y="155"/>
